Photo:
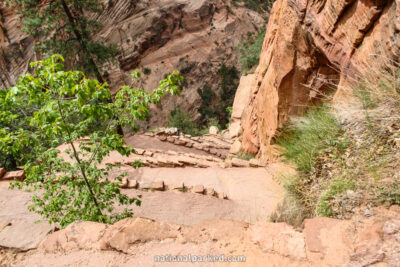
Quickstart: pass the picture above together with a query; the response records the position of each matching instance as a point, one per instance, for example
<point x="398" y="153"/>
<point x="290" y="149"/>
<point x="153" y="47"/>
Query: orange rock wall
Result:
<point x="310" y="47"/>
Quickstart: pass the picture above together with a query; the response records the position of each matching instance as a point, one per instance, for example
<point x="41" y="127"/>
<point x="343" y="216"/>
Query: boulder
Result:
<point x="162" y="137"/>
<point x="124" y="183"/>
<point x="78" y="235"/>
<point x="391" y="227"/>
<point x="240" y="163"/>
<point x="14" y="175"/>
<point x="222" y="195"/>
<point x="132" y="231"/>
<point x="180" y="142"/>
<point x="256" y="163"/>
<point x="139" y="151"/>
<point x="158" y="186"/>
<point x="132" y="183"/>
<point x="198" y="189"/>
<point x="171" y="139"/>
<point x="210" y="191"/>
<point x="2" y="172"/>
<point x="213" y="130"/>
<point x="178" y="186"/>
<point x="189" y="145"/>
<point x="236" y="146"/>
<point x="23" y="234"/>
<point x="148" y="153"/>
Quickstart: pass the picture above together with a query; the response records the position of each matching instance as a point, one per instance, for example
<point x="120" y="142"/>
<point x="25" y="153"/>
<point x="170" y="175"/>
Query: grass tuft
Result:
<point x="304" y="139"/>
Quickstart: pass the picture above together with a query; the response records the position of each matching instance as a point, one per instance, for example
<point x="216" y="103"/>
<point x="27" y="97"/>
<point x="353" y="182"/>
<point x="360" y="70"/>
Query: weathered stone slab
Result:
<point x="24" y="234"/>
<point x="19" y="175"/>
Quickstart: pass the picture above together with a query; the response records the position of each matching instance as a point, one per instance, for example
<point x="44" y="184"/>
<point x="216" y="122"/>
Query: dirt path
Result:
<point x="227" y="193"/>
<point x="252" y="194"/>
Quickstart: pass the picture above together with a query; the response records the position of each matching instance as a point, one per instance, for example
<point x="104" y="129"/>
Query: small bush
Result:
<point x="389" y="194"/>
<point x="306" y="138"/>
<point x="261" y="6"/>
<point x="309" y="142"/>
<point x="245" y="156"/>
<point x="183" y="121"/>
<point x="215" y="107"/>
<point x="146" y="71"/>
<point x="336" y="187"/>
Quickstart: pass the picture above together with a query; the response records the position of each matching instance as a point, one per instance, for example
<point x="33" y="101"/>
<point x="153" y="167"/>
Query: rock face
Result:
<point x="314" y="44"/>
<point x="324" y="242"/>
<point x="16" y="48"/>
<point x="157" y="36"/>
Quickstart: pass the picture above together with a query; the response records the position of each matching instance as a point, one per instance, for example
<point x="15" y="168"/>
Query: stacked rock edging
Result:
<point x="156" y="158"/>
<point x="11" y="176"/>
<point x="213" y="144"/>
<point x="162" y="186"/>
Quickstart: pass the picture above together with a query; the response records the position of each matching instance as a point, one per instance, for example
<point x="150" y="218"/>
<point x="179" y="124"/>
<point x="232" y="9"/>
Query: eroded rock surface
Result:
<point x="137" y="241"/>
<point x="310" y="47"/>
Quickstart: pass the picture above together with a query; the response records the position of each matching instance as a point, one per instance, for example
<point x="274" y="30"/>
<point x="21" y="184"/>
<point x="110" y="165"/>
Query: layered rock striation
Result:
<point x="310" y="48"/>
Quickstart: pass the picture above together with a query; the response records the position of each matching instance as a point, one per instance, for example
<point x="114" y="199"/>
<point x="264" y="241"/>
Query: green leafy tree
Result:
<point x="66" y="27"/>
<point x="65" y="106"/>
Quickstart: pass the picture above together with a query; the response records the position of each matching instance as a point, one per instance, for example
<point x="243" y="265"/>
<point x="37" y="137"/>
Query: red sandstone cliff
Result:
<point x="311" y="45"/>
<point x="194" y="36"/>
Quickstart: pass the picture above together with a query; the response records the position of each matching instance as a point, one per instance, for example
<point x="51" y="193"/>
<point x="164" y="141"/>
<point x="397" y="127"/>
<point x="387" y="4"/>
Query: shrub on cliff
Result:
<point x="256" y="5"/>
<point x="183" y="121"/>
<point x="62" y="107"/>
<point x="250" y="50"/>
<point x="214" y="107"/>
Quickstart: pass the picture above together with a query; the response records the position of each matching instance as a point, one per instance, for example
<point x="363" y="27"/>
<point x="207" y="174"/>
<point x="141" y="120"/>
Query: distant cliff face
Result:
<point x="193" y="36"/>
<point x="310" y="46"/>
<point x="16" y="48"/>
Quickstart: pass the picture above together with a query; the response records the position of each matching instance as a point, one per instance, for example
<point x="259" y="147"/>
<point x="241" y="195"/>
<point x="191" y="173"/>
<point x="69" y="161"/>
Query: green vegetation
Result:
<point x="66" y="27"/>
<point x="146" y="71"/>
<point x="261" y="6"/>
<point x="389" y="194"/>
<point x="343" y="165"/>
<point x="250" y="51"/>
<point x="244" y="156"/>
<point x="215" y="108"/>
<point x="304" y="140"/>
<point x="309" y="142"/>
<point x="184" y="122"/>
<point x="57" y="107"/>
<point x="336" y="187"/>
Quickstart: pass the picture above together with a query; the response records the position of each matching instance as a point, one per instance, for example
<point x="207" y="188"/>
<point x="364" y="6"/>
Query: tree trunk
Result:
<point x="83" y="45"/>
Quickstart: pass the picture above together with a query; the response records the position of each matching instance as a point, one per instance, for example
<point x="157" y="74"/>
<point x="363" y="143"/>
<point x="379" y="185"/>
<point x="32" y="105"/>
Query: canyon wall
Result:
<point x="193" y="36"/>
<point x="312" y="46"/>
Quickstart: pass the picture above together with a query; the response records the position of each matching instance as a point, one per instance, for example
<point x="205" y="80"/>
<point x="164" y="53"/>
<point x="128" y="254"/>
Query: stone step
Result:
<point x="161" y="186"/>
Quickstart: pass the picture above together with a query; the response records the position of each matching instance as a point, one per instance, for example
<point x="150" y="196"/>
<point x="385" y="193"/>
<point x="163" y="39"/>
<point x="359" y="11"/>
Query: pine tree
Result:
<point x="67" y="27"/>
